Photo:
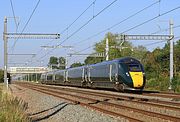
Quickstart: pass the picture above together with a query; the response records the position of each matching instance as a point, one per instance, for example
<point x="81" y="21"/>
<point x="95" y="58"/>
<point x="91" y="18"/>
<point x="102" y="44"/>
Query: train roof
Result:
<point x="119" y="60"/>
<point x="128" y="60"/>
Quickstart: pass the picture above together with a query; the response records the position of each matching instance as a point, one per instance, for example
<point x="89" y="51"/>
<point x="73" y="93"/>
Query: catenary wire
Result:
<point x="164" y="30"/>
<point x="80" y="27"/>
<point x="136" y="25"/>
<point x="87" y="22"/>
<point x="151" y="19"/>
<point x="26" y="24"/>
<point x="117" y="24"/>
<point x="71" y="23"/>
<point x="12" y="7"/>
<point x="78" y="17"/>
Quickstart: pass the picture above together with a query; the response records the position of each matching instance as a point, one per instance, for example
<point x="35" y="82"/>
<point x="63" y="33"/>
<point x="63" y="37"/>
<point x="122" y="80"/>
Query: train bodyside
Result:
<point x="75" y="76"/>
<point x="59" y="76"/>
<point x="125" y="73"/>
<point x="102" y="75"/>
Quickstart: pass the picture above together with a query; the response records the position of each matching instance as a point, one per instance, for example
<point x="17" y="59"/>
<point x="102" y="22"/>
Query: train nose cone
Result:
<point x="137" y="78"/>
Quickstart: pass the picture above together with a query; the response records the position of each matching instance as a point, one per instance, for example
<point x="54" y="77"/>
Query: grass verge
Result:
<point x="12" y="109"/>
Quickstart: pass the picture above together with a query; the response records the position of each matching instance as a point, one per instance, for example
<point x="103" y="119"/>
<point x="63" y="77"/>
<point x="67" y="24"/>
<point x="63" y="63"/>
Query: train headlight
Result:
<point x="127" y="74"/>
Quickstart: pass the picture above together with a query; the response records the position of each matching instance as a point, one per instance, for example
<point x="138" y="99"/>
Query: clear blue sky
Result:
<point x="55" y="15"/>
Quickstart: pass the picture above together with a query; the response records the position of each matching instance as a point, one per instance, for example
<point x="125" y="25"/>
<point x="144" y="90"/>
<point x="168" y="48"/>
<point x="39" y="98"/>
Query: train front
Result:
<point x="132" y="74"/>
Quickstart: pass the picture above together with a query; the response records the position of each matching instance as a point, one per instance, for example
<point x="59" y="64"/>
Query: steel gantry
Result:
<point x="90" y="55"/>
<point x="7" y="36"/>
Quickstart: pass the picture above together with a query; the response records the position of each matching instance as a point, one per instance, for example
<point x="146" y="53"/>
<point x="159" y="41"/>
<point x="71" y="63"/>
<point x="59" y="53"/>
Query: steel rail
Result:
<point x="149" y="113"/>
<point x="55" y="94"/>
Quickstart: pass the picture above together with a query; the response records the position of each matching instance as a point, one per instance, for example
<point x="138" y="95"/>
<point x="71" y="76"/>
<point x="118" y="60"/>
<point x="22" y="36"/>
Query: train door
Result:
<point x="84" y="77"/>
<point x="66" y="74"/>
<point x="113" y="72"/>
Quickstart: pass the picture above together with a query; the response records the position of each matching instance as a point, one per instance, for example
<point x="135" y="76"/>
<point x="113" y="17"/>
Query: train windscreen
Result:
<point x="134" y="67"/>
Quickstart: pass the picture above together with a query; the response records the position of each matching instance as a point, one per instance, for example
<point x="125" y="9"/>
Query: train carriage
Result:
<point x="59" y="76"/>
<point x="75" y="76"/>
<point x="123" y="73"/>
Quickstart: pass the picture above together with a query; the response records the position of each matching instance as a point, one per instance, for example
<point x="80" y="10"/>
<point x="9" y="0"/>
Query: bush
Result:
<point x="12" y="109"/>
<point x="176" y="84"/>
<point x="160" y="84"/>
<point x="1" y="76"/>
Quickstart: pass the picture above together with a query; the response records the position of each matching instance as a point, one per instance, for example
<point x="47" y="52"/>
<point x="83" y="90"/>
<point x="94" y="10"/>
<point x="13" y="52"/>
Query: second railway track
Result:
<point x="112" y="104"/>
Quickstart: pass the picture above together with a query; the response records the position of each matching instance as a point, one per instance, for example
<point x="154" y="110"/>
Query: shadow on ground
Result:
<point x="47" y="113"/>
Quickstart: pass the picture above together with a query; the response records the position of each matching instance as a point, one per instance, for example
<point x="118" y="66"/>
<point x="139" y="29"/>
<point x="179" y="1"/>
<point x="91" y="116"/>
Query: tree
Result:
<point x="57" y="63"/>
<point x="77" y="64"/>
<point x="1" y="76"/>
<point x="93" y="60"/>
<point x="62" y="63"/>
<point x="177" y="58"/>
<point x="53" y="62"/>
<point x="114" y="52"/>
<point x="139" y="52"/>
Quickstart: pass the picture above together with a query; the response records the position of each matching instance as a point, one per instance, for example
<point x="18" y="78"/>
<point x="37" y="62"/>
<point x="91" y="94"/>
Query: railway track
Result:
<point x="110" y="104"/>
<point x="164" y="95"/>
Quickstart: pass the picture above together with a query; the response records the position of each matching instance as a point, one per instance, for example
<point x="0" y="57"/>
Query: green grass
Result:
<point x="12" y="109"/>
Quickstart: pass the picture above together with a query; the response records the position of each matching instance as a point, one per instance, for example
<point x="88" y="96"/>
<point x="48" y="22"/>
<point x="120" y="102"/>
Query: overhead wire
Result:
<point x="118" y="23"/>
<point x="78" y="17"/>
<point x="147" y="21"/>
<point x="12" y="7"/>
<point x="26" y="24"/>
<point x="81" y="27"/>
<point x="164" y="30"/>
<point x="87" y="22"/>
<point x="125" y="30"/>
<point x="92" y="4"/>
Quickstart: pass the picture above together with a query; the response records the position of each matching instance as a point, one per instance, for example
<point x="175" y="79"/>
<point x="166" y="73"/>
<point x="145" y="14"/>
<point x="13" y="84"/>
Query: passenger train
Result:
<point x="120" y="74"/>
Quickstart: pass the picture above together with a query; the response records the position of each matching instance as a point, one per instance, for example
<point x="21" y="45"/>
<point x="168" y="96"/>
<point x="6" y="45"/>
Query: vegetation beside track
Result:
<point x="11" y="109"/>
<point x="156" y="62"/>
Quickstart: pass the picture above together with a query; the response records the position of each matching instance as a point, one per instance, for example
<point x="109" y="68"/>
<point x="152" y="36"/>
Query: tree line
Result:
<point x="156" y="62"/>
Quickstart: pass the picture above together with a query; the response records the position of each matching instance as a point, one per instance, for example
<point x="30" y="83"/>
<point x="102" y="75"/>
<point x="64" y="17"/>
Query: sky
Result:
<point x="56" y="15"/>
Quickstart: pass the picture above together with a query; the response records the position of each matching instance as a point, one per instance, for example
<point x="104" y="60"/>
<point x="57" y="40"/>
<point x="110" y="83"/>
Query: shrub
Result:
<point x="12" y="109"/>
<point x="176" y="84"/>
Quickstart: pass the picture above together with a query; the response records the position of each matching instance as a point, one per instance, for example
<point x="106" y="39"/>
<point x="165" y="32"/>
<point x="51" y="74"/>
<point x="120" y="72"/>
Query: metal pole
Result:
<point x="28" y="77"/>
<point x="107" y="49"/>
<point x="66" y="62"/>
<point x="36" y="77"/>
<point x="171" y="55"/>
<point x="5" y="52"/>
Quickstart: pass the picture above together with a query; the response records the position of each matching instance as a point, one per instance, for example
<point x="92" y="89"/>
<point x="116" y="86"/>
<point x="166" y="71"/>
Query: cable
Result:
<point x="88" y="22"/>
<point x="26" y="24"/>
<point x="14" y="14"/>
<point x="127" y="29"/>
<point x="78" y="17"/>
<point x="163" y="30"/>
<point x="84" y="49"/>
<point x="154" y="43"/>
<point x="144" y="45"/>
<point x="151" y="19"/>
<point x="147" y="21"/>
<point x="109" y="28"/>
<point x="73" y="21"/>
<point x="81" y="27"/>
